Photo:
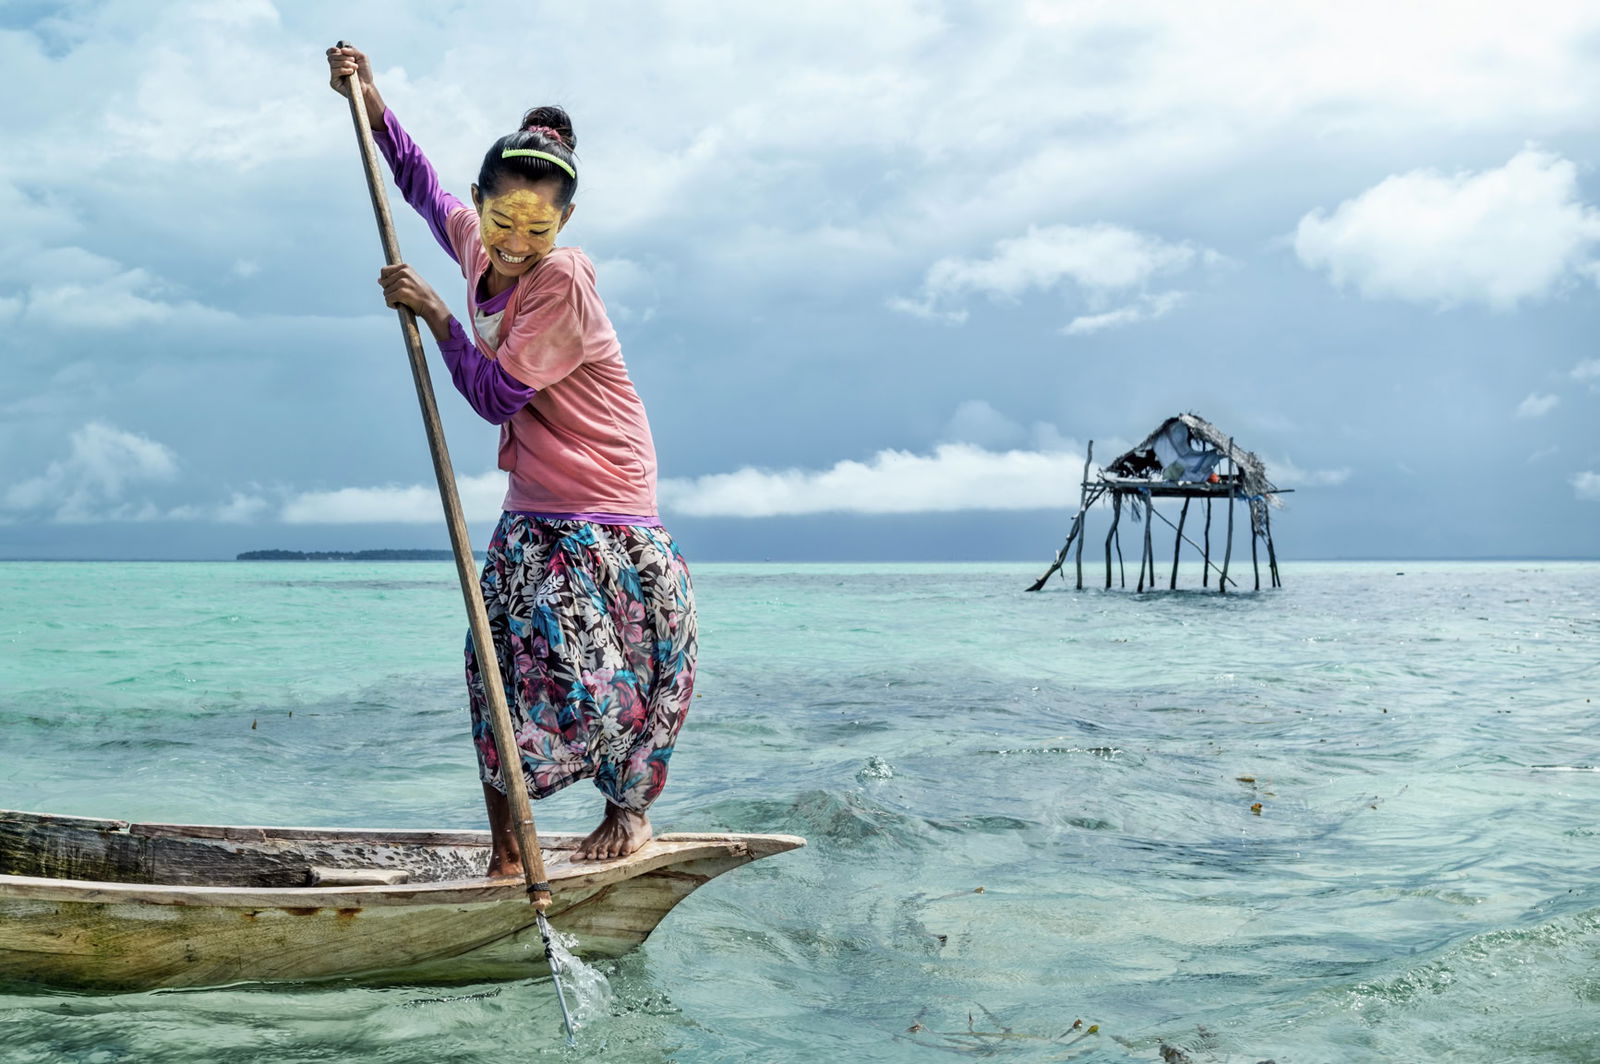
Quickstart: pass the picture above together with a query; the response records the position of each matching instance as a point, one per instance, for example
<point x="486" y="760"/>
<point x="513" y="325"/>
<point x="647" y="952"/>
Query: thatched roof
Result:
<point x="1202" y="436"/>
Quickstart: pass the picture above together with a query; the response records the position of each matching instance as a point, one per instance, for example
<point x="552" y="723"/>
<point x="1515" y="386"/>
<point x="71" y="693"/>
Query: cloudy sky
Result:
<point x="881" y="269"/>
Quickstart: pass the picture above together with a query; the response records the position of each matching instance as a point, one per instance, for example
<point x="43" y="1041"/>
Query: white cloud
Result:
<point x="240" y="509"/>
<point x="956" y="476"/>
<point x="1586" y="486"/>
<point x="924" y="308"/>
<point x="70" y="287"/>
<point x="1148" y="308"/>
<point x="1588" y="371"/>
<point x="1286" y="474"/>
<point x="401" y="504"/>
<point x="89" y="484"/>
<point x="115" y="304"/>
<point x="98" y="479"/>
<point x="1537" y="405"/>
<point x="977" y="422"/>
<point x="1544" y="452"/>
<point x="1096" y="259"/>
<point x="1499" y="237"/>
<point x="1046" y="437"/>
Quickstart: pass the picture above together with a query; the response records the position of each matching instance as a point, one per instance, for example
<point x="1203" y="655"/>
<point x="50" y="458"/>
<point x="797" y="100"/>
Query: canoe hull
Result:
<point x="118" y="936"/>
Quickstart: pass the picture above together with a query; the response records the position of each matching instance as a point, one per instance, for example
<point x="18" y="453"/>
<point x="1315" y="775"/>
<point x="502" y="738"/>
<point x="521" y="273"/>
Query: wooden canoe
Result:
<point x="112" y="905"/>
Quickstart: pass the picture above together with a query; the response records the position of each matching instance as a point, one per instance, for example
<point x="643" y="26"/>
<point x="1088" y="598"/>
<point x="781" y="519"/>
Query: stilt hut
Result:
<point x="1186" y="458"/>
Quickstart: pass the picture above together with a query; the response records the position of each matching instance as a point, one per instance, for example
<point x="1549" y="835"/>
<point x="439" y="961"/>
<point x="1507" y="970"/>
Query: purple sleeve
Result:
<point x="416" y="180"/>
<point x="493" y="393"/>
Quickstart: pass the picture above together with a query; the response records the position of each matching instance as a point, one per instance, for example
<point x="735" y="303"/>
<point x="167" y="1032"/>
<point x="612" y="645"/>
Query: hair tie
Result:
<point x="553" y="134"/>
<point x="512" y="153"/>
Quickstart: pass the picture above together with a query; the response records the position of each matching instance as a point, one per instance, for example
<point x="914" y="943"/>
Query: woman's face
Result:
<point x="518" y="223"/>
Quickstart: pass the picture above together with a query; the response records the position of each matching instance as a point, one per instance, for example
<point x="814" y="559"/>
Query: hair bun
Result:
<point x="553" y="123"/>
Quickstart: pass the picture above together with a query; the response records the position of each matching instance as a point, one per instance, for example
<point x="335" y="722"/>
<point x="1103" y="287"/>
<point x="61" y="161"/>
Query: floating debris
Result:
<point x="1002" y="1038"/>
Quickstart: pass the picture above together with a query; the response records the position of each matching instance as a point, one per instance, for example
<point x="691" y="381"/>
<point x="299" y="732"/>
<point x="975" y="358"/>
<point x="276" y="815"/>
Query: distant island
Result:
<point x="347" y="556"/>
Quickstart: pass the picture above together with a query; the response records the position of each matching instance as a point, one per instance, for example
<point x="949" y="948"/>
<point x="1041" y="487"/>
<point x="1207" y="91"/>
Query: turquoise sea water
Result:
<point x="1351" y="820"/>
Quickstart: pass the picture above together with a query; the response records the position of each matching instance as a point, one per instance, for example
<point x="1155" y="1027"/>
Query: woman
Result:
<point x="589" y="600"/>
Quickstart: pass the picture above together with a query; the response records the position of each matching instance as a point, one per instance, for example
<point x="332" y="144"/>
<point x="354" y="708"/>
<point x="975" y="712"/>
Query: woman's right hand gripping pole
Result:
<point x="344" y="60"/>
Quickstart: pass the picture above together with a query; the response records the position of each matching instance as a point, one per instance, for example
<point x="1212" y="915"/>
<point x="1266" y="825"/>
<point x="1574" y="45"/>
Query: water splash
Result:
<point x="876" y="768"/>
<point x="588" y="990"/>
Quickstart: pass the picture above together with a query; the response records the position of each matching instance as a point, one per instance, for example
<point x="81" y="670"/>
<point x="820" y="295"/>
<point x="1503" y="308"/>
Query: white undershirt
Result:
<point x="488" y="326"/>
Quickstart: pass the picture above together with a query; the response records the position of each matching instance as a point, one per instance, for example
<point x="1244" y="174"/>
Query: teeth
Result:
<point x="513" y="258"/>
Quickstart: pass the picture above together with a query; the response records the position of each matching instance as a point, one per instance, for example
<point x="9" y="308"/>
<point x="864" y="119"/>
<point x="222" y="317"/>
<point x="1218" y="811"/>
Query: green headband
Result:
<point x="530" y="153"/>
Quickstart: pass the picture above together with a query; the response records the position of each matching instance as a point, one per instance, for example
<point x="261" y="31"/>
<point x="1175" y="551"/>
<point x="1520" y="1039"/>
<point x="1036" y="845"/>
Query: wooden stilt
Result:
<point x="1254" y="564"/>
<point x="1086" y="499"/>
<point x="1116" y="519"/>
<point x="1139" y="582"/>
<point x="1149" y="529"/>
<point x="1149" y="552"/>
<point x="1061" y="555"/>
<point x="1083" y="510"/>
<point x="1233" y="491"/>
<point x="1177" y="544"/>
<point x="1272" y="554"/>
<point x="1122" y="570"/>
<point x="1187" y="540"/>
<point x="1147" y="558"/>
<point x="1205" y="573"/>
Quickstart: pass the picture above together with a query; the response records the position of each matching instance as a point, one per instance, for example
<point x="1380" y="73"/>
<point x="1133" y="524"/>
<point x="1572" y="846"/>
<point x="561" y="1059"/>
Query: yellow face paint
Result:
<point x="518" y="228"/>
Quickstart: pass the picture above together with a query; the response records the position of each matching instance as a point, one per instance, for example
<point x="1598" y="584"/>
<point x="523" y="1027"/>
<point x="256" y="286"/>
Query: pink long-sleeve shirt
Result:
<point x="579" y="443"/>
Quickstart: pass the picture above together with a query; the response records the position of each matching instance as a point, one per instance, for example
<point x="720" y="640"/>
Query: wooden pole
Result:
<point x="1076" y="530"/>
<point x="466" y="569"/>
<point x="1116" y="519"/>
<point x="1149" y="530"/>
<point x="1140" y="585"/>
<point x="1085" y="499"/>
<point x="1061" y="556"/>
<point x="1177" y="544"/>
<point x="1146" y="558"/>
<point x="1205" y="573"/>
<point x="1083" y="510"/>
<point x="1135" y="503"/>
<point x="1254" y="564"/>
<point x="1122" y="570"/>
<point x="1272" y="554"/>
<point x="1233" y="489"/>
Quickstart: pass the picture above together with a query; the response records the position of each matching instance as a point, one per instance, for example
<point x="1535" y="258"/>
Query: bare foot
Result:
<point x="619" y="834"/>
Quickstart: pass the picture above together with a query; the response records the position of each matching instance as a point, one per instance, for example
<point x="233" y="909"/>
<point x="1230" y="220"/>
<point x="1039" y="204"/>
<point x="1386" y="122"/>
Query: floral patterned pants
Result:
<point x="594" y="628"/>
